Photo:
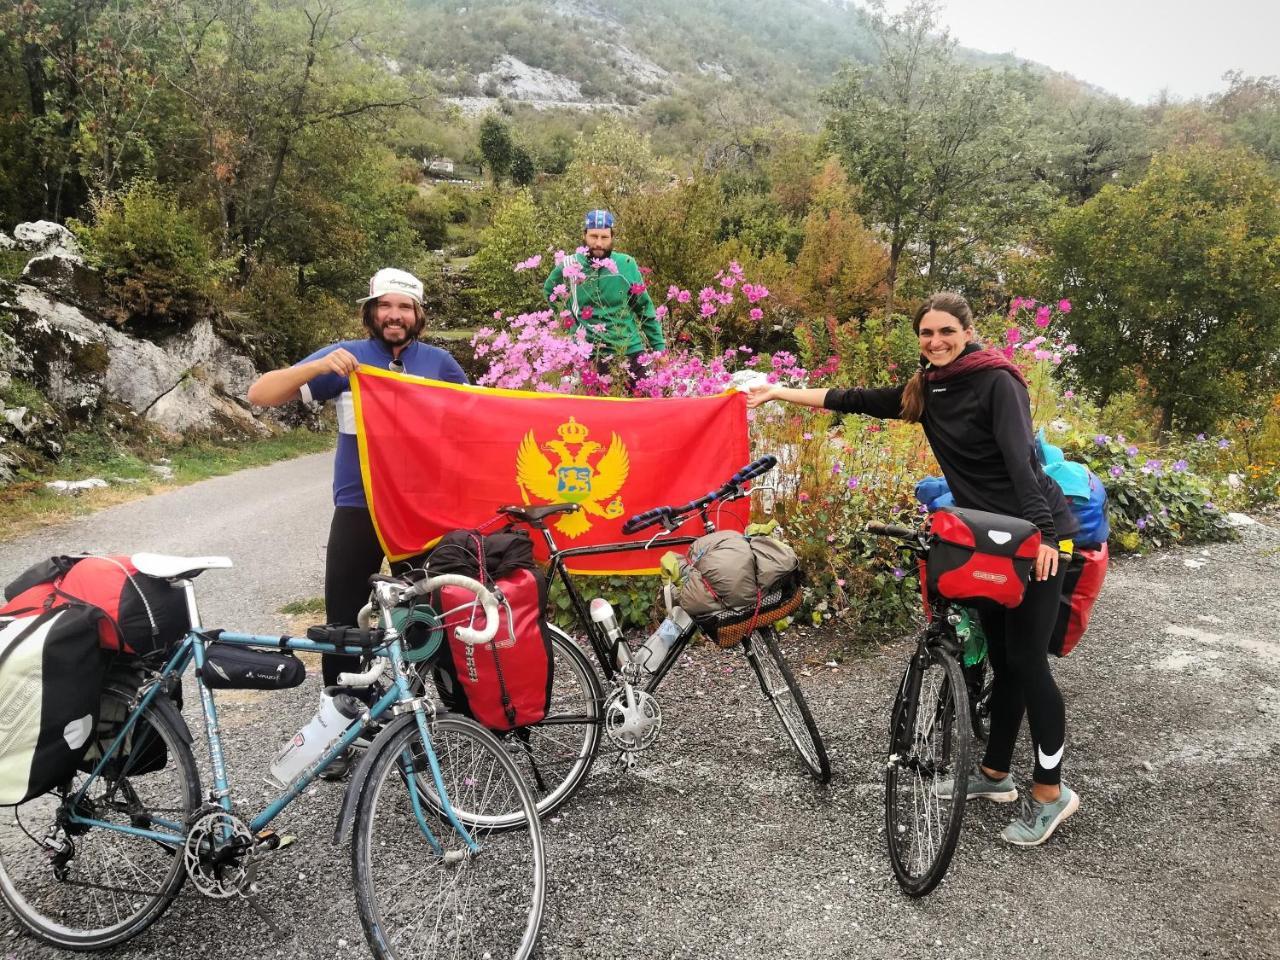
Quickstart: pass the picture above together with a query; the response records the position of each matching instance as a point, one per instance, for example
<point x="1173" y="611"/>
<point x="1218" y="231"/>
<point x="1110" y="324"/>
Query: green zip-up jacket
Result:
<point x="630" y="324"/>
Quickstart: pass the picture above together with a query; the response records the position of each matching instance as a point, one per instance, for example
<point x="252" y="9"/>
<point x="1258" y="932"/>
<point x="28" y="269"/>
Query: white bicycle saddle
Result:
<point x="163" y="565"/>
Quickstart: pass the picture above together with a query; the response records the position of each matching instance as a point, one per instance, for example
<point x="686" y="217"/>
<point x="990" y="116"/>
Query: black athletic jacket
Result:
<point x="979" y="426"/>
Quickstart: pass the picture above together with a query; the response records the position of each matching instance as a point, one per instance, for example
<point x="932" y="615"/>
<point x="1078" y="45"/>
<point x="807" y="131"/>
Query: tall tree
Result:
<point x="1174" y="280"/>
<point x="939" y="150"/>
<point x="496" y="146"/>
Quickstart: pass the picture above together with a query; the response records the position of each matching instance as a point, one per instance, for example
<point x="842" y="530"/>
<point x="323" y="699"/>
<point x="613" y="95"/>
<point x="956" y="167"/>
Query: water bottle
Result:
<point x="337" y="709"/>
<point x="655" y="649"/>
<point x="969" y="630"/>
<point x="602" y="613"/>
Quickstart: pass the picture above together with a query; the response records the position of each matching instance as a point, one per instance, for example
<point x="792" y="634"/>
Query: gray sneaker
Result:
<point x="1036" y="821"/>
<point x="980" y="785"/>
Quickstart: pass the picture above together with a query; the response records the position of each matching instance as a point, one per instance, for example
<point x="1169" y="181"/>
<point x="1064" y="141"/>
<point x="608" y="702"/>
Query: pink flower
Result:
<point x="734" y="268"/>
<point x="757" y="313"/>
<point x="1069" y="395"/>
<point x="684" y="296"/>
<point x="672" y="291"/>
<point x="1012" y="335"/>
<point x="1043" y="316"/>
<point x="660" y="311"/>
<point x="636" y="289"/>
<point x="708" y="309"/>
<point x="1064" y="306"/>
<point x="586" y="313"/>
<point x="803" y="498"/>
<point x="497" y="314"/>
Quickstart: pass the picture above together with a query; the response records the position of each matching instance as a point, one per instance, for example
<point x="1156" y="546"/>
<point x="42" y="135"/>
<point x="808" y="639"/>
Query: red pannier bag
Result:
<point x="505" y="683"/>
<point x="143" y="614"/>
<point x="1080" y="589"/>
<point x="977" y="556"/>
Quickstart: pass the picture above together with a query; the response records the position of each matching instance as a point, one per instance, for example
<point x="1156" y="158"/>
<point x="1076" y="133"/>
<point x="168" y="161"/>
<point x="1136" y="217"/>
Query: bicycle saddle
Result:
<point x="534" y="514"/>
<point x="173" y="568"/>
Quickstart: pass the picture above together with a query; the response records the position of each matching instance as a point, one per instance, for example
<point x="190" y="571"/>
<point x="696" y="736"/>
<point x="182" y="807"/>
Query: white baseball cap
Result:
<point x="391" y="280"/>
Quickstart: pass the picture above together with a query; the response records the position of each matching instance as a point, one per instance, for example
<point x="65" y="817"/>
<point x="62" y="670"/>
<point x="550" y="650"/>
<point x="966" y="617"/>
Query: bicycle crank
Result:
<point x="632" y="719"/>
<point x="219" y="855"/>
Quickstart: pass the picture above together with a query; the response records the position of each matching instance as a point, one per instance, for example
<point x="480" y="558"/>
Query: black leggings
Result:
<point x="354" y="555"/>
<point x="1018" y="648"/>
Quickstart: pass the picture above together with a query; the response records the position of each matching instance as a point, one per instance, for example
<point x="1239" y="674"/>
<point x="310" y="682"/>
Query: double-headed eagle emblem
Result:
<point x="574" y="479"/>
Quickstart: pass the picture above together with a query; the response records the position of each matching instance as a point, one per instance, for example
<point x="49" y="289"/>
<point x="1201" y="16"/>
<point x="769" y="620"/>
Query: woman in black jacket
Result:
<point x="973" y="405"/>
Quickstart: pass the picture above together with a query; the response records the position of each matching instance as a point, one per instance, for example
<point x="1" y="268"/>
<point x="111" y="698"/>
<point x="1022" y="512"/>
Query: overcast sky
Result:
<point x="1134" y="48"/>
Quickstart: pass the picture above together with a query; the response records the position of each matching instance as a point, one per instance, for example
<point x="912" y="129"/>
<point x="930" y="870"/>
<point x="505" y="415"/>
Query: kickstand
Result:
<point x="250" y="897"/>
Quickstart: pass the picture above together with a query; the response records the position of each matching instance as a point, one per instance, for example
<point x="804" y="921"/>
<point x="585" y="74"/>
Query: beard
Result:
<point x="600" y="252"/>
<point x="397" y="336"/>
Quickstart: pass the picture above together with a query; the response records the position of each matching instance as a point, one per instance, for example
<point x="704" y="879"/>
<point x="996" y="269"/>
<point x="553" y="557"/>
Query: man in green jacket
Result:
<point x="605" y="295"/>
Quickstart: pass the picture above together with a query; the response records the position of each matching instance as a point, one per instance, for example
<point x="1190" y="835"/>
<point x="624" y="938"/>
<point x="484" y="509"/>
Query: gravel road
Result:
<point x="717" y="846"/>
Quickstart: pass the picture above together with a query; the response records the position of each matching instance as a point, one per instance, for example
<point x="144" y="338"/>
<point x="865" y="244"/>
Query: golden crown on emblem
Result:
<point x="572" y="432"/>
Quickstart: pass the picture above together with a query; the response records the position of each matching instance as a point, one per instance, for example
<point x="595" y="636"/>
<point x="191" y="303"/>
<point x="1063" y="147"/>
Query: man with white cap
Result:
<point x="394" y="317"/>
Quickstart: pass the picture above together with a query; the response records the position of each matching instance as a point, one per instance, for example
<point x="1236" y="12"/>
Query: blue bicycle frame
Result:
<point x="192" y="649"/>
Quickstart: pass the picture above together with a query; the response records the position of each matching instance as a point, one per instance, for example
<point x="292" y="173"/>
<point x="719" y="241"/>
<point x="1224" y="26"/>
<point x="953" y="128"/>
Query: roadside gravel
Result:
<point x="717" y="846"/>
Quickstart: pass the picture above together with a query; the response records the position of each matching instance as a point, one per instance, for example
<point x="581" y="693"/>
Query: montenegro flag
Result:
<point x="440" y="456"/>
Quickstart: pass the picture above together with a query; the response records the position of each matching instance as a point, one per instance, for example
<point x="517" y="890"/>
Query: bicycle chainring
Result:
<point x="219" y="855"/>
<point x="632" y="728"/>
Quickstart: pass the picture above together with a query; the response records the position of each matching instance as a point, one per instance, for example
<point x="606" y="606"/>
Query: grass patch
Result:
<point x="27" y="504"/>
<point x="12" y="262"/>
<point x="312" y="606"/>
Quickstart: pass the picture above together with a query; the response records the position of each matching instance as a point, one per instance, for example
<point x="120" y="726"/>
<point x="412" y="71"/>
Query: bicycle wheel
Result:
<point x="107" y="885"/>
<point x="555" y="756"/>
<point x="782" y="691"/>
<point x="930" y="743"/>
<point x="419" y="899"/>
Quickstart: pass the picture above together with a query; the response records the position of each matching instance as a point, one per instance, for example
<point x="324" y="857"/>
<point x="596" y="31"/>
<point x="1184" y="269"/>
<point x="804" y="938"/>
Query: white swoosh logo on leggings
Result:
<point x="1049" y="762"/>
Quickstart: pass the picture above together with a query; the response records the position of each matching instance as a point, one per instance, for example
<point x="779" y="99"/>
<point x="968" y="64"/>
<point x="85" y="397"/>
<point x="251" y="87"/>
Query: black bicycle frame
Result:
<point x="599" y="641"/>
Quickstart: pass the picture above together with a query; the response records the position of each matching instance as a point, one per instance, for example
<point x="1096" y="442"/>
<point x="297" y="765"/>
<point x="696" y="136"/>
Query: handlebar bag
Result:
<point x="1080" y="591"/>
<point x="505" y="683"/>
<point x="232" y="667"/>
<point x="977" y="556"/>
<point x="51" y="670"/>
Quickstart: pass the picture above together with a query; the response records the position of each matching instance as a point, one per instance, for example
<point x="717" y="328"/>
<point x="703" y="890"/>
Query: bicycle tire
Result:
<point x="487" y="904"/>
<point x="111" y="874"/>
<point x="555" y="755"/>
<point x="788" y="702"/>
<point x="930" y="741"/>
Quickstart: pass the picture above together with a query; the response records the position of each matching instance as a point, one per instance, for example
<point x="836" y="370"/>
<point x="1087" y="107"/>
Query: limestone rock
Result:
<point x="65" y="277"/>
<point x="43" y="236"/>
<point x="7" y="242"/>
<point x="191" y="381"/>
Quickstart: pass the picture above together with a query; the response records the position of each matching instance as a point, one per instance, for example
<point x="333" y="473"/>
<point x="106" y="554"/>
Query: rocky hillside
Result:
<point x="63" y="366"/>
<point x="618" y="54"/>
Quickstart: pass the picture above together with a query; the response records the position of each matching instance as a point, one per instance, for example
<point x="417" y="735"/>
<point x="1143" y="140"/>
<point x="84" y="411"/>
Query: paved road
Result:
<point x="717" y="847"/>
<point x="271" y="521"/>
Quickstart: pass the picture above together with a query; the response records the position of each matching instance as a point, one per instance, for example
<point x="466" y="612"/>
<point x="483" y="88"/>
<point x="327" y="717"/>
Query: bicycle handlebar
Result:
<point x="642" y="520"/>
<point x="666" y="515"/>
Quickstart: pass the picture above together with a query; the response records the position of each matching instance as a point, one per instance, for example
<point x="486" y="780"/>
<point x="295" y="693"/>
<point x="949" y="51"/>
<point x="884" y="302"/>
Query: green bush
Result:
<point x="158" y="262"/>
<point x="277" y="325"/>
<point x="1151" y="501"/>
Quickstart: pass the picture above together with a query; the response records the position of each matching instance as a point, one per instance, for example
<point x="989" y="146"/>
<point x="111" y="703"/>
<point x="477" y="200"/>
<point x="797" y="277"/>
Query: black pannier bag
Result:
<point x="231" y="667"/>
<point x="979" y="557"/>
<point x="51" y="670"/>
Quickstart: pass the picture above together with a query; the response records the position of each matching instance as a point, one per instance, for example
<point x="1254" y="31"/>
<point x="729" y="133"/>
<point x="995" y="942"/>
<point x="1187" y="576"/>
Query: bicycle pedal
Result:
<point x="268" y="839"/>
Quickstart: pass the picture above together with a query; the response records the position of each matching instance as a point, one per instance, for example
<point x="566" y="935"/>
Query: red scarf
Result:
<point x="977" y="359"/>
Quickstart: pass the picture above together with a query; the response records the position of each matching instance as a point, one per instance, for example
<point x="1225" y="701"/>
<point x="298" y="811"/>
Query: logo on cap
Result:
<point x="598" y="220"/>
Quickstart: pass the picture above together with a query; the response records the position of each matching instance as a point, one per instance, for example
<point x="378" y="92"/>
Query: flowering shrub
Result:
<point x="1152" y="501"/>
